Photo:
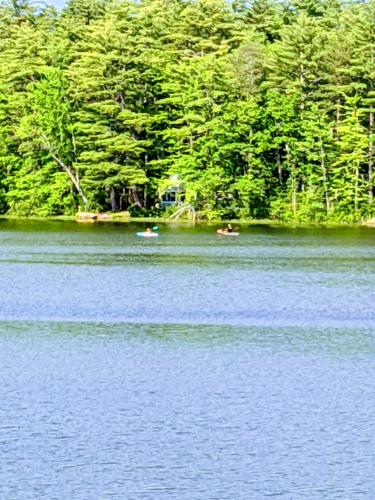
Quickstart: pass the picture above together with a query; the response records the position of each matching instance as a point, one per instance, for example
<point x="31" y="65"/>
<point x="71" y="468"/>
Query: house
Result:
<point x="172" y="192"/>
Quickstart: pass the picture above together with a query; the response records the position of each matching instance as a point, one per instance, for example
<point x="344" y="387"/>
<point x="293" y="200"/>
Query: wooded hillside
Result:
<point x="263" y="109"/>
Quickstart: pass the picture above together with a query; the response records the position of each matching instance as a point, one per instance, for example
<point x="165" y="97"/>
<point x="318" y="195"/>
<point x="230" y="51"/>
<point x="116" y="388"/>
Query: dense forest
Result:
<point x="262" y="109"/>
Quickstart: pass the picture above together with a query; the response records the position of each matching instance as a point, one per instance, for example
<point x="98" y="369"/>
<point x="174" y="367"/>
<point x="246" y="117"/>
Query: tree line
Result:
<point x="262" y="108"/>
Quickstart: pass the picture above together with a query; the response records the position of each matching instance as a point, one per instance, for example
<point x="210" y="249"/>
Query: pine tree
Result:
<point x="348" y="183"/>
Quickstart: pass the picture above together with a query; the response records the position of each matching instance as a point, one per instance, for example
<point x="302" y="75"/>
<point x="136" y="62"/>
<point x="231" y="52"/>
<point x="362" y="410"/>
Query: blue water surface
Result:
<point x="187" y="367"/>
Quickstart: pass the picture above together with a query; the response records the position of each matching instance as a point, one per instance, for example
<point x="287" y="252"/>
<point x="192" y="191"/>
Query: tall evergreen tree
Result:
<point x="262" y="109"/>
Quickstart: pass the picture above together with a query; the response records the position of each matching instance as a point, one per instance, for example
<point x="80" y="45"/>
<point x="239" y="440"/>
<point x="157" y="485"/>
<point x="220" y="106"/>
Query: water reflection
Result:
<point x="287" y="341"/>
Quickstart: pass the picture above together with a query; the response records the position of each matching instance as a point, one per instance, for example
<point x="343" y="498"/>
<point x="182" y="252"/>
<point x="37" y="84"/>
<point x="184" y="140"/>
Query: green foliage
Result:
<point x="264" y="109"/>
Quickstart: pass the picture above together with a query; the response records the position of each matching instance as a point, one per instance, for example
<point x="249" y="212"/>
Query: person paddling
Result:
<point x="229" y="230"/>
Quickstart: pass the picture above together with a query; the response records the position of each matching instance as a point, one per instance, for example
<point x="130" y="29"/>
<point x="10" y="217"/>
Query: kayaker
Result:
<point x="148" y="230"/>
<point x="229" y="228"/>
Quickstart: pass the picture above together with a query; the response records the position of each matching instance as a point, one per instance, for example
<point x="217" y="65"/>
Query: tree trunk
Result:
<point x="134" y="195"/>
<point x="324" y="172"/>
<point x="338" y="117"/>
<point x="279" y="166"/>
<point x="356" y="186"/>
<point x="302" y="84"/>
<point x="145" y="196"/>
<point x="112" y="197"/>
<point x="122" y="200"/>
<point x="370" y="157"/>
<point x="293" y="176"/>
<point x="74" y="178"/>
<point x="145" y="190"/>
<point x="294" y="195"/>
<point x="191" y="143"/>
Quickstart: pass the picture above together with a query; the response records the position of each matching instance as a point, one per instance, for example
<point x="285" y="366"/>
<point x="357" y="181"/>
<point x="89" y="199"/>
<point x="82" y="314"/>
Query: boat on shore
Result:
<point x="91" y="217"/>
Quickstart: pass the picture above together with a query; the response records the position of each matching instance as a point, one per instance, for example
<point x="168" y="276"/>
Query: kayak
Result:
<point x="222" y="232"/>
<point x="147" y="234"/>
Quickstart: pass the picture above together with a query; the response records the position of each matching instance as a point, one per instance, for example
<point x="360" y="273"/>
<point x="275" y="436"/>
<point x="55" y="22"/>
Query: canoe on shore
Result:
<point x="91" y="217"/>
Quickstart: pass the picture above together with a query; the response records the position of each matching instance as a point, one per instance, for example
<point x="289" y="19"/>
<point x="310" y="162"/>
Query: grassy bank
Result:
<point x="125" y="219"/>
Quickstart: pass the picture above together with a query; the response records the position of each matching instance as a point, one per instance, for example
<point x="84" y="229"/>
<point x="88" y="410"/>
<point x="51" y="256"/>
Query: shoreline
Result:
<point x="121" y="219"/>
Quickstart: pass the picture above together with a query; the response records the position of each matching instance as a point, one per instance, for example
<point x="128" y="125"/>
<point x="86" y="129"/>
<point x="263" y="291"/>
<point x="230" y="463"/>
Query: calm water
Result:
<point x="188" y="367"/>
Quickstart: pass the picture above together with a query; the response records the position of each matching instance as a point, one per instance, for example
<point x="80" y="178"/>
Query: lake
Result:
<point x="189" y="366"/>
